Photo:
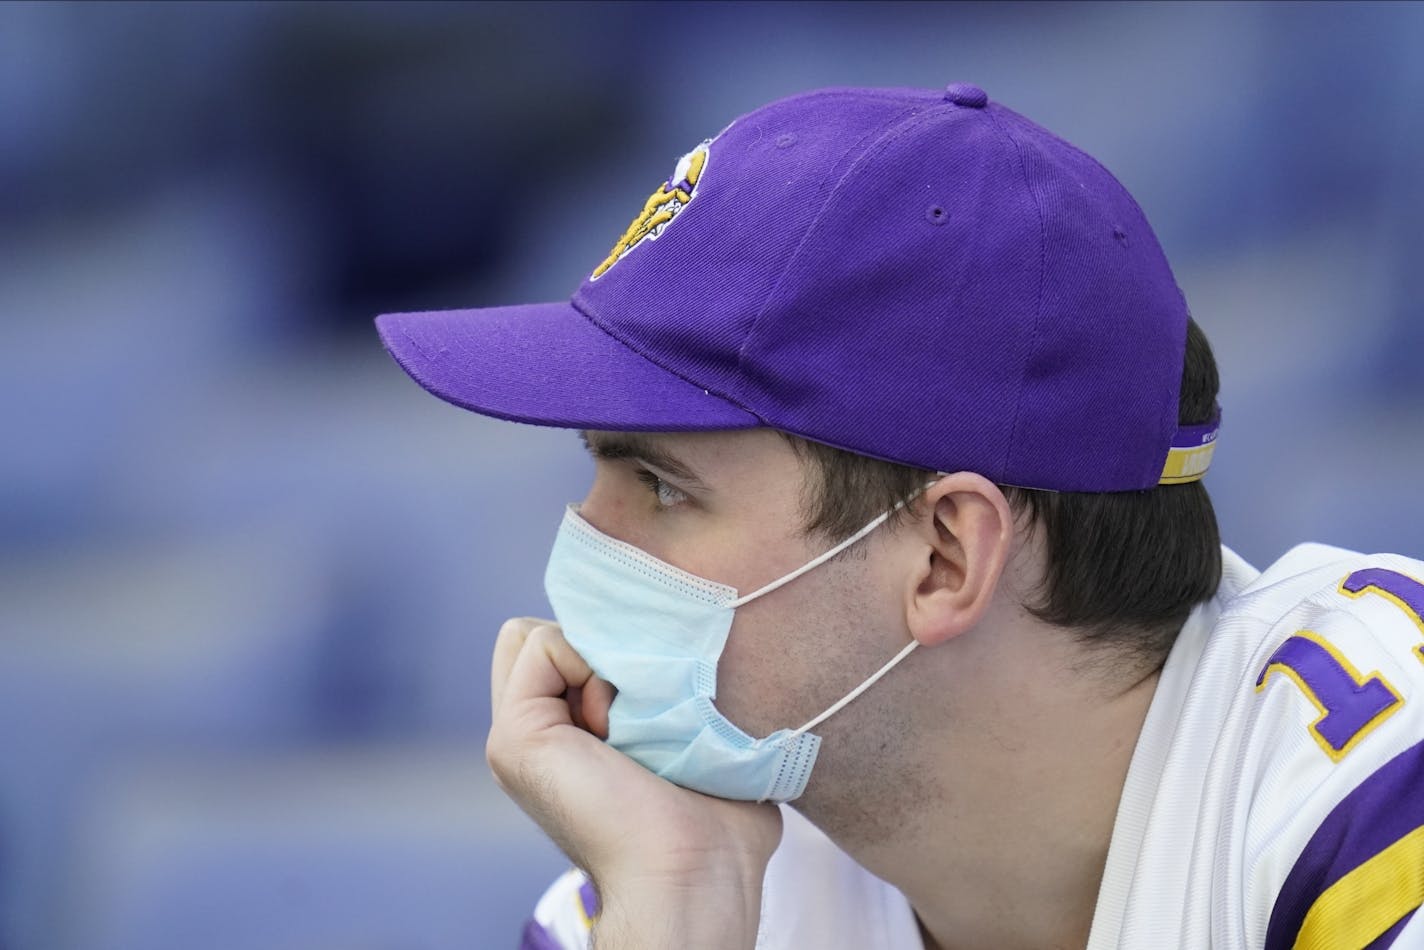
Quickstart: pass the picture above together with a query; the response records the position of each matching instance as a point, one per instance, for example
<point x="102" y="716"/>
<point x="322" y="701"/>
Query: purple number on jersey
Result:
<point x="1350" y="705"/>
<point x="1399" y="589"/>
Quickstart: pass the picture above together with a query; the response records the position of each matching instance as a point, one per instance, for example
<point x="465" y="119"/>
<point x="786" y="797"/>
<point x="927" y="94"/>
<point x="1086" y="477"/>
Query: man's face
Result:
<point x="727" y="506"/>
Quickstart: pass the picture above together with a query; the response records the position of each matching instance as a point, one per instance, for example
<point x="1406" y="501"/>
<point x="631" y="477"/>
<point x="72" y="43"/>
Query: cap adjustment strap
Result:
<point x="1191" y="452"/>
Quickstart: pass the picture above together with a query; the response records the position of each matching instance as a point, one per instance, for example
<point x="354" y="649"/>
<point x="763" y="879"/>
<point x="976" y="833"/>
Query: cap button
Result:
<point x="966" y="94"/>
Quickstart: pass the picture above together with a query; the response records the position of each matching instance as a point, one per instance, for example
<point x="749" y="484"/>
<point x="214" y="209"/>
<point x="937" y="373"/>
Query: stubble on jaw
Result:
<point x="874" y="780"/>
<point x="872" y="785"/>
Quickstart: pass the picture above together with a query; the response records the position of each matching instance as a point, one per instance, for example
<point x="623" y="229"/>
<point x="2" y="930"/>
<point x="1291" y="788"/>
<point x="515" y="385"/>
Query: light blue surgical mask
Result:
<point x="656" y="633"/>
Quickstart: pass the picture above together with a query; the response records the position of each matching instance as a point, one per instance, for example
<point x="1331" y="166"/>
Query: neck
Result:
<point x="1000" y="836"/>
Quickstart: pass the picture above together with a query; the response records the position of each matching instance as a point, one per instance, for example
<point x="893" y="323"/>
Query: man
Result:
<point x="899" y="419"/>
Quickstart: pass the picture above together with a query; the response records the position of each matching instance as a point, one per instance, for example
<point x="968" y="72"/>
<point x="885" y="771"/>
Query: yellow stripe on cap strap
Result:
<point x="1191" y="451"/>
<point x="1369" y="900"/>
<point x="1186" y="465"/>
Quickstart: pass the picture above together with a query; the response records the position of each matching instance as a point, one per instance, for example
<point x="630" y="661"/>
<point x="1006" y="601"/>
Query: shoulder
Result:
<point x="1331" y="789"/>
<point x="1346" y="630"/>
<point x="1339" y="637"/>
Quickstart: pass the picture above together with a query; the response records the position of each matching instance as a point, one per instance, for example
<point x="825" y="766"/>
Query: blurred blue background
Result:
<point x="250" y="573"/>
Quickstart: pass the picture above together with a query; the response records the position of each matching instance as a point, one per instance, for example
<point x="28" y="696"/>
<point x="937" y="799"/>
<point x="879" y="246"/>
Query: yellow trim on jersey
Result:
<point x="1354" y="674"/>
<point x="584" y="920"/>
<point x="1363" y="904"/>
<point x="1186" y="465"/>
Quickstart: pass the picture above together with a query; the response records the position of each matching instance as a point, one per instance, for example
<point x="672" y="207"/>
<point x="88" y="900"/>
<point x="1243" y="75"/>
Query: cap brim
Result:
<point x="547" y="364"/>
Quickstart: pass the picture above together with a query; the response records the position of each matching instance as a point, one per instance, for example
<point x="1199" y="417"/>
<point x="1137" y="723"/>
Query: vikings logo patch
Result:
<point x="662" y="206"/>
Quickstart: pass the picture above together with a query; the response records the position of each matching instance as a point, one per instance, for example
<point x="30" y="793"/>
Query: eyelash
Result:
<point x="657" y="486"/>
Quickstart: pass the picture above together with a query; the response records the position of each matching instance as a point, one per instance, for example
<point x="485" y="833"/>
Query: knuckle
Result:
<point x="514" y="627"/>
<point x="545" y="633"/>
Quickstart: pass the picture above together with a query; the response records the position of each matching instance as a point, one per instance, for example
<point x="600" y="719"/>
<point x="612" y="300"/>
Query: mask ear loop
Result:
<point x="823" y="558"/>
<point x="817" y="562"/>
<point x="820" y="559"/>
<point x="859" y="689"/>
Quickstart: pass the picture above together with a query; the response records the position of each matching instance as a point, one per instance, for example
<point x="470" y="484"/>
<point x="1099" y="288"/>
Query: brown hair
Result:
<point x="1124" y="569"/>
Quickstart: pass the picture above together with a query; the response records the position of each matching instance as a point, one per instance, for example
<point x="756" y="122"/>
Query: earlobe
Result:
<point x="967" y="532"/>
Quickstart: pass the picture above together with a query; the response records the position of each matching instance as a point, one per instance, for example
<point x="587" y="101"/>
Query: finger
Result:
<point x="545" y="669"/>
<point x="526" y="736"/>
<point x="595" y="699"/>
<point x="507" y="645"/>
<point x="574" y="697"/>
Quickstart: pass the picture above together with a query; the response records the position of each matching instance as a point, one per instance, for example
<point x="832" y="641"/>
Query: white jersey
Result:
<point x="1275" y="798"/>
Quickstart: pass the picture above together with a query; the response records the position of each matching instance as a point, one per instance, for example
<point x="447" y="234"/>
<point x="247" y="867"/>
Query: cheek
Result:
<point x="759" y="665"/>
<point x="793" y="653"/>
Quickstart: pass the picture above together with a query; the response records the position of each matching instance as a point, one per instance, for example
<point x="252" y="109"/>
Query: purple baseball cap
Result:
<point x="921" y="276"/>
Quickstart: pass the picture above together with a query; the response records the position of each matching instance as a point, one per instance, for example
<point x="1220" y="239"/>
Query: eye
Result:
<point x="668" y="495"/>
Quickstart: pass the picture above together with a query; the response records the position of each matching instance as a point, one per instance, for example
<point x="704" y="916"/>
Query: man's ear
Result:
<point x="967" y="529"/>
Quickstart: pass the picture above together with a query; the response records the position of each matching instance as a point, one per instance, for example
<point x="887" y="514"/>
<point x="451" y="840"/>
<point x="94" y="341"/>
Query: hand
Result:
<point x="673" y="867"/>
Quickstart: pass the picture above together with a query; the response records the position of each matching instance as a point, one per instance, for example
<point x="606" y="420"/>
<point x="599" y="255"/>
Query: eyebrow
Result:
<point x="630" y="445"/>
